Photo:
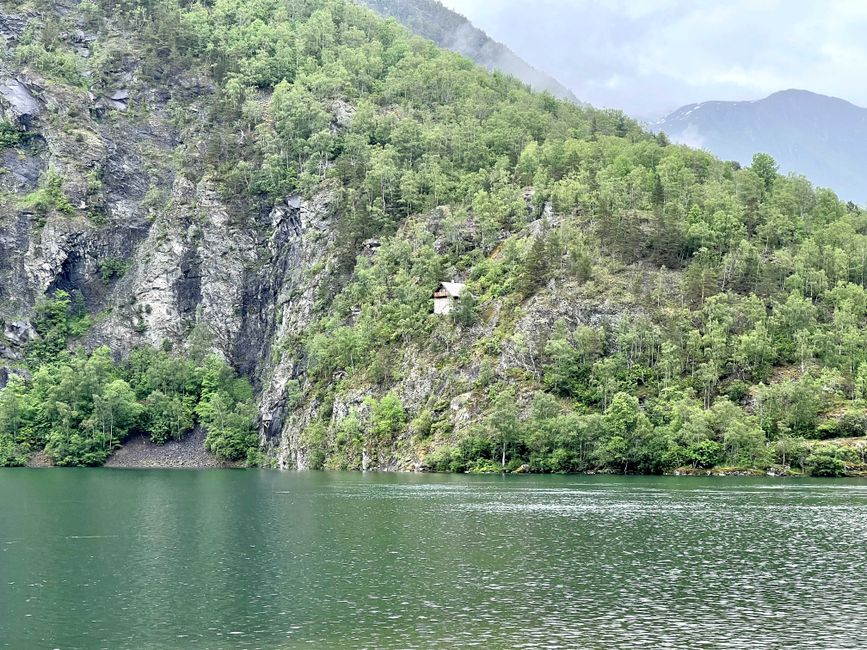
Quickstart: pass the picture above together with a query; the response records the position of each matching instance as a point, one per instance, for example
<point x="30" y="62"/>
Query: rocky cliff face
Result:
<point x="157" y="258"/>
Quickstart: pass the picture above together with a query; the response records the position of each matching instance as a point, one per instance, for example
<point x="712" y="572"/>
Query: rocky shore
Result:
<point x="189" y="453"/>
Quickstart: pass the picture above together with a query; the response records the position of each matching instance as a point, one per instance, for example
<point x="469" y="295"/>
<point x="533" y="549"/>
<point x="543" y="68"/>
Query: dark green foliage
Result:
<point x="58" y="318"/>
<point x="112" y="268"/>
<point x="9" y="135"/>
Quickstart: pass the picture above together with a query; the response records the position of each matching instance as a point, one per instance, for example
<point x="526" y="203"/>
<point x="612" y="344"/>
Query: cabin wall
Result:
<point x="442" y="305"/>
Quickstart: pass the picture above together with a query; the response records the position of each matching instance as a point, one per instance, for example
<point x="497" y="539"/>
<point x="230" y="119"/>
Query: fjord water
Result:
<point x="260" y="559"/>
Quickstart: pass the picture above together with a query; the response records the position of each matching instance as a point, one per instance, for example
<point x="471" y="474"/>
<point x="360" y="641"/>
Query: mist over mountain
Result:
<point x="451" y="30"/>
<point x="818" y="136"/>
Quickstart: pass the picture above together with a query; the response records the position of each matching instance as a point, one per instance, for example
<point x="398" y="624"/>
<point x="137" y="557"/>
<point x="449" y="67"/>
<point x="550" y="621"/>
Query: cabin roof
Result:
<point x="454" y="289"/>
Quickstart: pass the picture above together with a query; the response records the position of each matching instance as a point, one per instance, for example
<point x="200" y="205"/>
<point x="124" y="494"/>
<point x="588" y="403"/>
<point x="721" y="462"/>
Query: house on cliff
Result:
<point x="446" y="296"/>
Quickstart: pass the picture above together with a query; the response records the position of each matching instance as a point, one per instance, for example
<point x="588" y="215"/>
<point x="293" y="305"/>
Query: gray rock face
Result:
<point x="19" y="332"/>
<point x="24" y="167"/>
<point x="299" y="252"/>
<point x="12" y="26"/>
<point x="21" y="106"/>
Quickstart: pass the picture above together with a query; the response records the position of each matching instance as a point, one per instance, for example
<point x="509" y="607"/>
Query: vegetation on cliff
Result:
<point x="631" y="305"/>
<point x="80" y="407"/>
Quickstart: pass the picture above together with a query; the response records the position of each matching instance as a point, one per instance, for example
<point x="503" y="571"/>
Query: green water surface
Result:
<point x="262" y="559"/>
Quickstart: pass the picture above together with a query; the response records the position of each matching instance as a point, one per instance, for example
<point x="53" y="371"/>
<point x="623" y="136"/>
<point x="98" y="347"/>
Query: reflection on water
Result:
<point x="223" y="559"/>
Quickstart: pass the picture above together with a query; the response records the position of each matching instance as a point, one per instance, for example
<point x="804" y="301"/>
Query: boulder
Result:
<point x="20" y="105"/>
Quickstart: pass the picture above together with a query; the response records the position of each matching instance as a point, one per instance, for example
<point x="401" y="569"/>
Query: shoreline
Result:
<point x="168" y="462"/>
<point x="188" y="453"/>
<point x="139" y="452"/>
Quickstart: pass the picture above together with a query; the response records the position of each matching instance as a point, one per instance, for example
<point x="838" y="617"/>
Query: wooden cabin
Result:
<point x="445" y="297"/>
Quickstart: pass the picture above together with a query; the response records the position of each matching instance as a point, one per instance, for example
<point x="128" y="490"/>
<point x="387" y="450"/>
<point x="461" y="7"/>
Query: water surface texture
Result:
<point x="259" y="559"/>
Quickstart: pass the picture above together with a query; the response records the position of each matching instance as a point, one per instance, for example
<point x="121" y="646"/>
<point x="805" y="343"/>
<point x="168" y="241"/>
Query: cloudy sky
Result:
<point x="651" y="56"/>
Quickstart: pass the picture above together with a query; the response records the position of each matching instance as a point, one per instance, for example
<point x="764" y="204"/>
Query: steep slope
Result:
<point x="284" y="184"/>
<point x="449" y="29"/>
<point x="814" y="135"/>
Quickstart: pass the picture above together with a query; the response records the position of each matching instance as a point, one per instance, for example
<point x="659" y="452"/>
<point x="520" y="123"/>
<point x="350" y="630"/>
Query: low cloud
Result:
<point x="650" y="56"/>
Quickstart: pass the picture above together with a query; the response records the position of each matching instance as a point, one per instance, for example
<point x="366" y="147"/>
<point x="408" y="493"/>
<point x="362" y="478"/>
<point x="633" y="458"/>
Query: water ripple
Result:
<point x="275" y="560"/>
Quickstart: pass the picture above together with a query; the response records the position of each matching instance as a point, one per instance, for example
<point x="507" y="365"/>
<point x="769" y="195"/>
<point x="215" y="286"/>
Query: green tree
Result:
<point x="766" y="169"/>
<point x="229" y="424"/>
<point x="169" y="417"/>
<point x="503" y="424"/>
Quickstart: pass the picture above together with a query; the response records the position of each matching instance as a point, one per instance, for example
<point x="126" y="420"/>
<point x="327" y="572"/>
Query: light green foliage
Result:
<point x="827" y="460"/>
<point x="81" y="407"/>
<point x="170" y="417"/>
<point x="16" y="422"/>
<point x="349" y="443"/>
<point x="387" y="418"/>
<point x="48" y="196"/>
<point x="226" y="409"/>
<point x="765" y="167"/>
<point x="503" y="424"/>
<point x="45" y="50"/>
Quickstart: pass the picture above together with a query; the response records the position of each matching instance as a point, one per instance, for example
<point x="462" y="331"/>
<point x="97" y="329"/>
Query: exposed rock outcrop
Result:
<point x="21" y="106"/>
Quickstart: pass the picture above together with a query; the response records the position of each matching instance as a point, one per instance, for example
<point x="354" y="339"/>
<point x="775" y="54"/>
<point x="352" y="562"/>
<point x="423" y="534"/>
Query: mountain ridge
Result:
<point x="453" y="31"/>
<point x="807" y="133"/>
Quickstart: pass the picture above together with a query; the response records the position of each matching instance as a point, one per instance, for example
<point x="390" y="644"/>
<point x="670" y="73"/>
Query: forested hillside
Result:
<point x="283" y="183"/>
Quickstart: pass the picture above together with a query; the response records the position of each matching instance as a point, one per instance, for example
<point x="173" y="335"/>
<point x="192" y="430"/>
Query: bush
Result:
<point x="112" y="268"/>
<point x="58" y="318"/>
<point x="562" y="461"/>
<point x="704" y="454"/>
<point x="48" y="196"/>
<point x="852" y="423"/>
<point x="825" y="461"/>
<point x="446" y="459"/>
<point x="388" y="418"/>
<point x="485" y="466"/>
<point x="738" y="391"/>
<point x="9" y="135"/>
<point x="12" y="454"/>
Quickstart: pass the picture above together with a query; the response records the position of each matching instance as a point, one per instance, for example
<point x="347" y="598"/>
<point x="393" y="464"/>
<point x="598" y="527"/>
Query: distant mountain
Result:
<point x="824" y="138"/>
<point x="451" y="30"/>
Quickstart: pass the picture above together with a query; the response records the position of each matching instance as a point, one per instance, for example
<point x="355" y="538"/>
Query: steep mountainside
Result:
<point x="820" y="137"/>
<point x="276" y="188"/>
<point x="449" y="29"/>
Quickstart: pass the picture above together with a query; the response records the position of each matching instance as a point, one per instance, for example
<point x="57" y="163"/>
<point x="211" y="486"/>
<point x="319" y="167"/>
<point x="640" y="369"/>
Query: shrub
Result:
<point x="825" y="461"/>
